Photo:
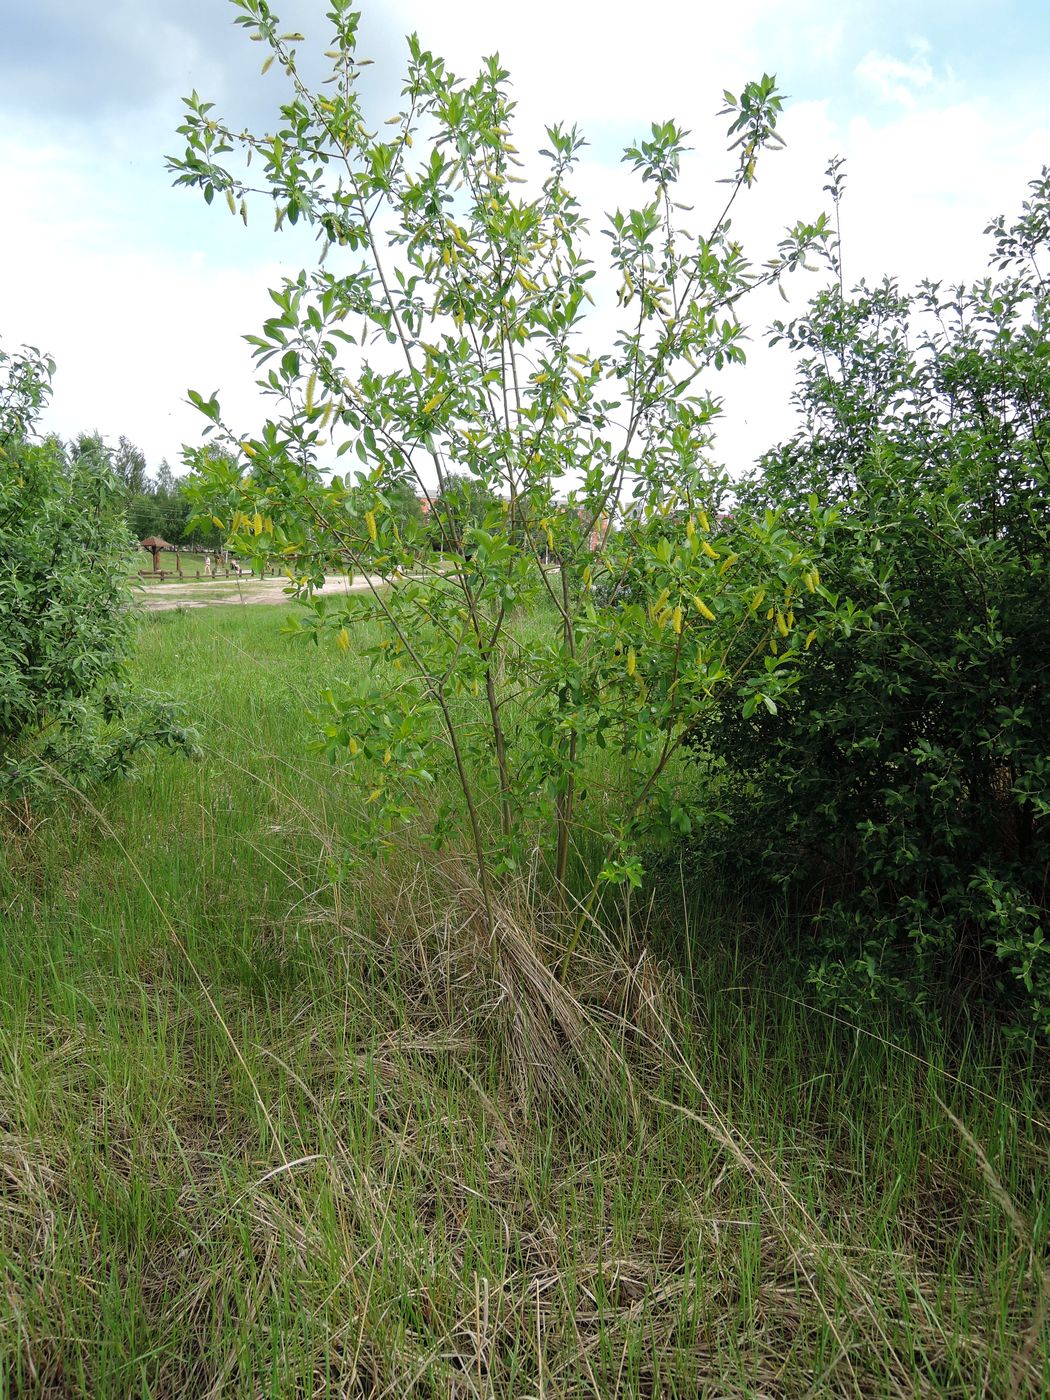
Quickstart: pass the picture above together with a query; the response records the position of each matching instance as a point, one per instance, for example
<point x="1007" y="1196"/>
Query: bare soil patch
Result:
<point x="163" y="597"/>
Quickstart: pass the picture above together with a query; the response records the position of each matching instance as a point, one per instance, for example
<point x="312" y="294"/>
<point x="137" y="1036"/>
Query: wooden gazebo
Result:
<point x="155" y="544"/>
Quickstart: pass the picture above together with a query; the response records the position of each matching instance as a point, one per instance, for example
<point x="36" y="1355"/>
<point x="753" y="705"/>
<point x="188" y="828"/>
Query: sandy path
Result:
<point x="162" y="597"/>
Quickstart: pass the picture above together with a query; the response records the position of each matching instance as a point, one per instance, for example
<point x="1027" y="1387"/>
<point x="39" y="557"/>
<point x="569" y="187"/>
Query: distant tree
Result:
<point x="171" y="504"/>
<point x="463" y="504"/>
<point x="165" y="482"/>
<point x="406" y="510"/>
<point x="174" y="512"/>
<point x="129" y="464"/>
<point x="143" y="515"/>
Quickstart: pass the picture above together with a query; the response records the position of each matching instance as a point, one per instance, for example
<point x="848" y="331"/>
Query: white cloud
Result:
<point x="141" y="291"/>
<point x="138" y="295"/>
<point x="897" y="80"/>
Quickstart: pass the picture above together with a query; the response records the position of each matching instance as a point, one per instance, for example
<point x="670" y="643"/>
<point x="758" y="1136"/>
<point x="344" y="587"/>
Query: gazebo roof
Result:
<point x="155" y="542"/>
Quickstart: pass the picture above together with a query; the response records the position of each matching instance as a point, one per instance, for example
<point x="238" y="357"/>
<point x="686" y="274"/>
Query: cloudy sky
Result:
<point x="140" y="291"/>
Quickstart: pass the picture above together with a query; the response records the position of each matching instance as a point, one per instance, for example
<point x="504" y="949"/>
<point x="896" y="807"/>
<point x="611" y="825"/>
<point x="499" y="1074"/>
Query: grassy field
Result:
<point x="268" y="1133"/>
<point x="192" y="564"/>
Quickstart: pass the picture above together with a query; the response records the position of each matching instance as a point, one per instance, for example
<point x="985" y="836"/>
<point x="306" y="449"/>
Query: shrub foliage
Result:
<point x="902" y="803"/>
<point x="65" y="619"/>
<point x="441" y="340"/>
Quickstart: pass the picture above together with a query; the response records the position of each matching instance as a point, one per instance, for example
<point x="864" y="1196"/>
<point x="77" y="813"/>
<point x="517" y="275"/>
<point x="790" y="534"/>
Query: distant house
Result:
<point x="599" y="528"/>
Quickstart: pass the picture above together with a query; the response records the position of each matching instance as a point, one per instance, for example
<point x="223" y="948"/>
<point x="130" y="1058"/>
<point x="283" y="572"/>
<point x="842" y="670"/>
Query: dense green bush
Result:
<point x="901" y="804"/>
<point x="65" y="620"/>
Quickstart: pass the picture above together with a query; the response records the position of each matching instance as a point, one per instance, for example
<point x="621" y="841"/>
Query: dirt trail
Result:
<point x="163" y="597"/>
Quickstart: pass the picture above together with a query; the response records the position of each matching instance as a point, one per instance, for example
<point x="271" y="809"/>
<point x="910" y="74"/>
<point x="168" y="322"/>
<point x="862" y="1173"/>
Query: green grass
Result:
<point x="263" y="1134"/>
<point x="192" y="564"/>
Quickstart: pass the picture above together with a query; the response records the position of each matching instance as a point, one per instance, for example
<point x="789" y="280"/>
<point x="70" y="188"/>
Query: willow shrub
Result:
<point x="441" y="340"/>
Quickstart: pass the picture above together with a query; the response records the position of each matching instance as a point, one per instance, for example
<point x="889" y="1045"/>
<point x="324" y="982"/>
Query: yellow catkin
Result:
<point x="703" y="609"/>
<point x="370" y="521"/>
<point x="632" y="661"/>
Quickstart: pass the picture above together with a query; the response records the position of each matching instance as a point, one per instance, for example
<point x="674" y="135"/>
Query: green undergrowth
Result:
<point x="276" y="1124"/>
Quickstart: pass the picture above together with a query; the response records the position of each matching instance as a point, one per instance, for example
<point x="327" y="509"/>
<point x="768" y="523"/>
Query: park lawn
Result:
<point x="277" y="1123"/>
<point x="192" y="564"/>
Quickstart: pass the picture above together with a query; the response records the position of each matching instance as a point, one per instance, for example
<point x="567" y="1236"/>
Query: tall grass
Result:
<point x="268" y="1132"/>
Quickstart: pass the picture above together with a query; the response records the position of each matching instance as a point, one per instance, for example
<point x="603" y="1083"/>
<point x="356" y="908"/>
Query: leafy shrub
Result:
<point x="901" y="804"/>
<point x="440" y="339"/>
<point x="65" y="619"/>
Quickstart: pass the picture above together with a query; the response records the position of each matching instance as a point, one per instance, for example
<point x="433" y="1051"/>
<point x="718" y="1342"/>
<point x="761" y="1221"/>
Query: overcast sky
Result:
<point x="141" y="291"/>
